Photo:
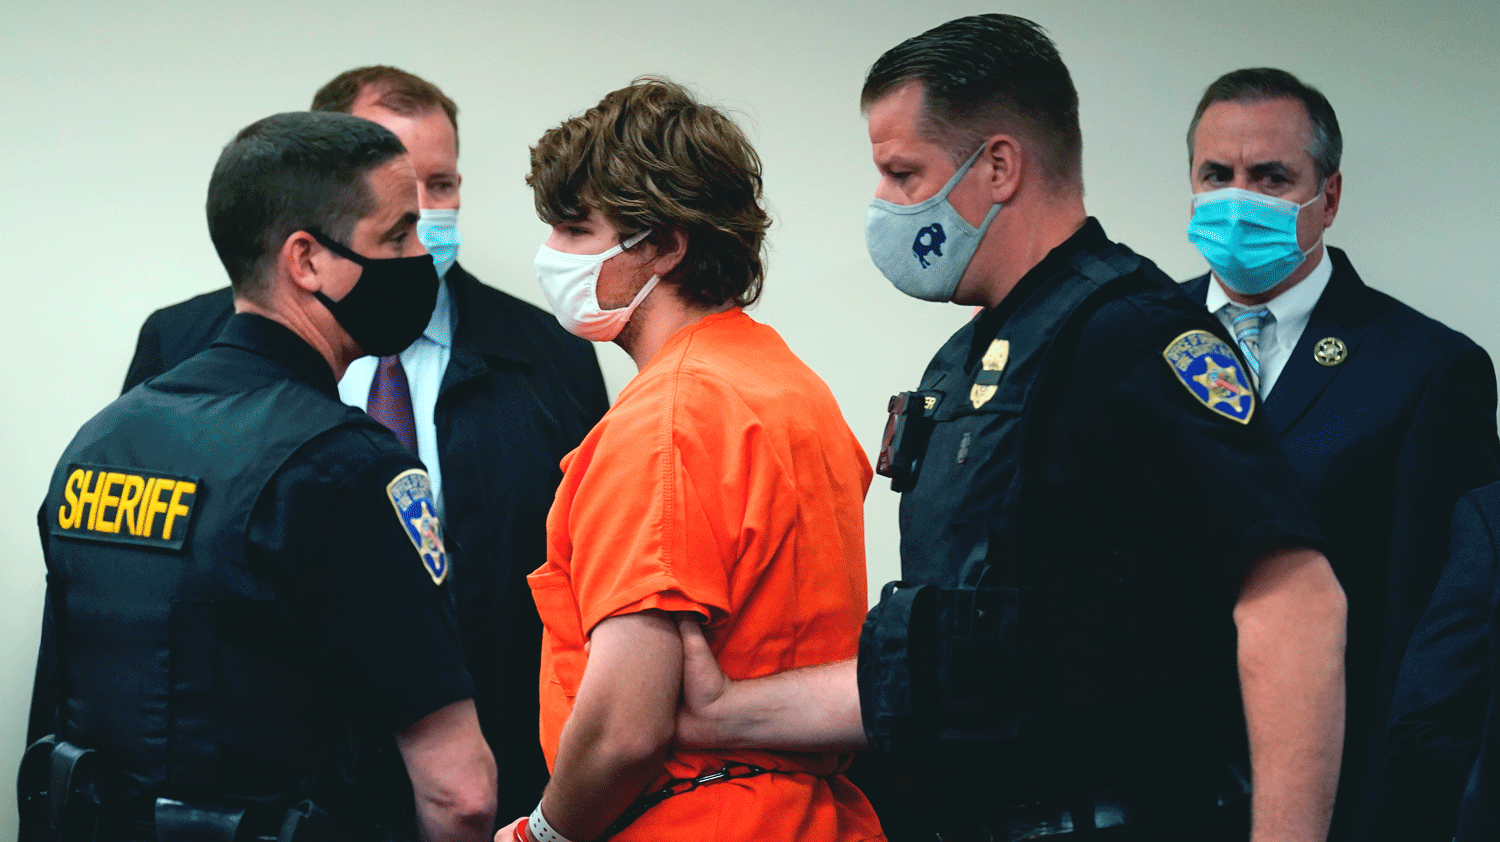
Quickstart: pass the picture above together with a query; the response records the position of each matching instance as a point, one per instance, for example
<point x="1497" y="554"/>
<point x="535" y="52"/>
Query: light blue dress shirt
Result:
<point x="425" y="360"/>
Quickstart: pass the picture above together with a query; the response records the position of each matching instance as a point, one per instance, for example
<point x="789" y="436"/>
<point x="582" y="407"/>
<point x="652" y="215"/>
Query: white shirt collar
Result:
<point x="1292" y="309"/>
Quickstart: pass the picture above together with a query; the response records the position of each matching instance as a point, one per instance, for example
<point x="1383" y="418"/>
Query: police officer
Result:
<point x="1097" y="525"/>
<point x="245" y="576"/>
<point x="498" y="394"/>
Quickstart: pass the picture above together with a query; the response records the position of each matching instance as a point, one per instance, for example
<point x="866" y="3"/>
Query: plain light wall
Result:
<point x="115" y="112"/>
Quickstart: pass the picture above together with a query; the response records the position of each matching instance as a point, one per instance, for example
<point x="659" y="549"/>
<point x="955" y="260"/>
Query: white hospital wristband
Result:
<point x="540" y="830"/>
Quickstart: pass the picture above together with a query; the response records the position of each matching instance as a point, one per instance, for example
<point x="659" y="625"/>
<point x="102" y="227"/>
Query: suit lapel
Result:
<point x="480" y="338"/>
<point x="1338" y="313"/>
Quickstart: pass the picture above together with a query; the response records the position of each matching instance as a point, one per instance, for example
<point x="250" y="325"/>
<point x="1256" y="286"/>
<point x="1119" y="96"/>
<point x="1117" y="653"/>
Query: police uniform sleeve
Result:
<point x="1194" y="469"/>
<point x="339" y="535"/>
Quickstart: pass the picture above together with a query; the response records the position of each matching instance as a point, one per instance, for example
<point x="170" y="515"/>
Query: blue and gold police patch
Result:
<point x="125" y="506"/>
<point x="411" y="494"/>
<point x="1212" y="373"/>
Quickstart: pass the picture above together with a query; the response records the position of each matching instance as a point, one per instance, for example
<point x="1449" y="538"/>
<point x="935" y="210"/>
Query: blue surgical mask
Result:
<point x="924" y="248"/>
<point x="1249" y="238"/>
<point x="437" y="228"/>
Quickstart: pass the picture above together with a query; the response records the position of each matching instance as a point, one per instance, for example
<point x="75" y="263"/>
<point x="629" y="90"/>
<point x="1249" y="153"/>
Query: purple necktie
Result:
<point x="390" y="401"/>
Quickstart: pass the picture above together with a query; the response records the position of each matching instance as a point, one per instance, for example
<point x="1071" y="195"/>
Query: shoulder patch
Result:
<point x="411" y="495"/>
<point x="1207" y="367"/>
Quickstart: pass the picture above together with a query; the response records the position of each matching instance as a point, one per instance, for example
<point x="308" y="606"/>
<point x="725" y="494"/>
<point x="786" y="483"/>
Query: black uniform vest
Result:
<point x="968" y="475"/>
<point x="987" y="641"/>
<point x="175" y="660"/>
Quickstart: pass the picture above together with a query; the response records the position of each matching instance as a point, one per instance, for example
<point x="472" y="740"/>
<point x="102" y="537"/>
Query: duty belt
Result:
<point x="1226" y="801"/>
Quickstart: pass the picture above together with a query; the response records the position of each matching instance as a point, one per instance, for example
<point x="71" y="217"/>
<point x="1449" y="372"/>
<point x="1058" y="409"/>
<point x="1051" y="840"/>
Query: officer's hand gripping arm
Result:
<point x="809" y="709"/>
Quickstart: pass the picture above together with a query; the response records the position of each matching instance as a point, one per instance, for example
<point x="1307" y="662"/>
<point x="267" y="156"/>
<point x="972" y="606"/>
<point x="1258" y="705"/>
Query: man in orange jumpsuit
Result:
<point x="723" y="485"/>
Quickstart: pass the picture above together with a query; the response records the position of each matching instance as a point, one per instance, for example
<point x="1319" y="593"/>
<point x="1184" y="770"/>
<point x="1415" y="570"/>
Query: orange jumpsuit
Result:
<point x="725" y="483"/>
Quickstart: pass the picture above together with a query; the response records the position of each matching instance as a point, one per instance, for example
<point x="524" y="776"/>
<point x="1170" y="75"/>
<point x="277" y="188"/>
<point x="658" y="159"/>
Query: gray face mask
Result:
<point x="924" y="248"/>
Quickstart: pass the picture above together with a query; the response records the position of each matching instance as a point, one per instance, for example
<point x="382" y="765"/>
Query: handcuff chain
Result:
<point x="678" y="786"/>
<point x="730" y="771"/>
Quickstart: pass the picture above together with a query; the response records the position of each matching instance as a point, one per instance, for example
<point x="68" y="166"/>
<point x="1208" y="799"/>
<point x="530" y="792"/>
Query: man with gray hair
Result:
<point x="1387" y="416"/>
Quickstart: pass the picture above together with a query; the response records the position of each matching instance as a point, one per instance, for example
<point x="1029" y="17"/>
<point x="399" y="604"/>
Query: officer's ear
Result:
<point x="1005" y="162"/>
<point x="298" y="259"/>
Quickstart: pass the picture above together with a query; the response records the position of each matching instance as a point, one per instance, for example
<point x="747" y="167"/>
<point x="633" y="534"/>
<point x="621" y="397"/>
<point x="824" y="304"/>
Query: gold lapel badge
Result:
<point x="1330" y="351"/>
<point x="994" y="360"/>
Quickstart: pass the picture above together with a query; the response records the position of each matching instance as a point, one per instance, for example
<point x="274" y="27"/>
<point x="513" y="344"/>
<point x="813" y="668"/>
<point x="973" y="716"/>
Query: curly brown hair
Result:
<point x="649" y="155"/>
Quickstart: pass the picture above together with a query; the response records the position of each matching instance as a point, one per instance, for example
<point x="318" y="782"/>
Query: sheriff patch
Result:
<point x="125" y="506"/>
<point x="1209" y="370"/>
<point x="411" y="494"/>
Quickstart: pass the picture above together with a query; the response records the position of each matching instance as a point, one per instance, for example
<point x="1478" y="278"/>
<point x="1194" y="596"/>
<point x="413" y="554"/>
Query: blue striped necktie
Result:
<point x="1246" y="325"/>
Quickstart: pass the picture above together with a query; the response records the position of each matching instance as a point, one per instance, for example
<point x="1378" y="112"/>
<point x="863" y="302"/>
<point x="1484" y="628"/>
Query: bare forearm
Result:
<point x="1291" y="628"/>
<point x="809" y="709"/>
<point x="439" y="822"/>
<point x="452" y="775"/>
<point x="596" y="782"/>
<point x="617" y="736"/>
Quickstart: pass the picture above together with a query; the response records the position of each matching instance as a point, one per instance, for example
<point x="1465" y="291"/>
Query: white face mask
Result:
<point x="570" y="283"/>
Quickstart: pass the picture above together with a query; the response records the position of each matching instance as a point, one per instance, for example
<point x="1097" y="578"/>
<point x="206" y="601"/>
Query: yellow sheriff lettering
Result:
<point x="155" y="505"/>
<point x="176" y="509"/>
<point x="90" y="498"/>
<point x="101" y="522"/>
<point x="69" y="508"/>
<point x="109" y="502"/>
<point x="130" y="499"/>
<point x="138" y="524"/>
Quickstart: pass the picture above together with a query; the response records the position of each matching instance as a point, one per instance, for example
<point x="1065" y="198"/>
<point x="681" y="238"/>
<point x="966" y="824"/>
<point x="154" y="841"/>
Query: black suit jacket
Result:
<point x="1479" y="811"/>
<point x="1384" y="444"/>
<point x="1446" y="711"/>
<point x="518" y="394"/>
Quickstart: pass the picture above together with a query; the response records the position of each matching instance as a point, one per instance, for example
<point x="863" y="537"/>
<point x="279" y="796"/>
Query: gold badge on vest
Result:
<point x="1330" y="351"/>
<point x="986" y="383"/>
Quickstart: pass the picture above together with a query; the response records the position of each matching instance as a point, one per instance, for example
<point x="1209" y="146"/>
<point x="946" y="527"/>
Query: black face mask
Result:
<point x="390" y="304"/>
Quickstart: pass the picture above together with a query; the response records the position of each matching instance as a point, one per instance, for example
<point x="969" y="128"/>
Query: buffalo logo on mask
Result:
<point x="411" y="495"/>
<point x="1207" y="367"/>
<point x="933" y="245"/>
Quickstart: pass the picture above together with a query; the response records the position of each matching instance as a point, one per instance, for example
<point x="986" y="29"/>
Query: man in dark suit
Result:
<point x="1387" y="416"/>
<point x="495" y="392"/>
<point x="1444" y="763"/>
